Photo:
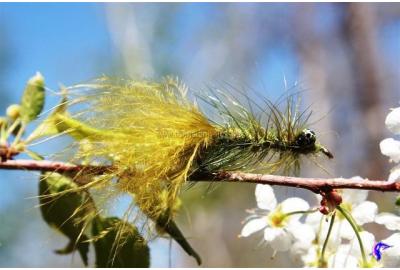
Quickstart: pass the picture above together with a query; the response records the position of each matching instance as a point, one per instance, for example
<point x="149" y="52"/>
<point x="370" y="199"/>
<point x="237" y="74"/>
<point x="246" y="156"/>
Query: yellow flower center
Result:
<point x="277" y="218"/>
<point x="371" y="263"/>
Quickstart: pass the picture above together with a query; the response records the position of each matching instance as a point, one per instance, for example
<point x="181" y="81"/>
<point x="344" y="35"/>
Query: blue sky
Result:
<point x="59" y="40"/>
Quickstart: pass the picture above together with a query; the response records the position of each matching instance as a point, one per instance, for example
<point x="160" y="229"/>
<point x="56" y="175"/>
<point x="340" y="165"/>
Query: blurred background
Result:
<point x="346" y="56"/>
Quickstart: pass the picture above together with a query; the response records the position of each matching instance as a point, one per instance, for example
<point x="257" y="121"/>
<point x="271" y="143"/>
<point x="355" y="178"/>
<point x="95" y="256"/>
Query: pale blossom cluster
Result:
<point x="343" y="249"/>
<point x="281" y="227"/>
<point x="391" y="147"/>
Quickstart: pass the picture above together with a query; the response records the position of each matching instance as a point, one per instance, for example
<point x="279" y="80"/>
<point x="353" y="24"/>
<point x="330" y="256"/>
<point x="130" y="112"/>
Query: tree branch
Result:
<point x="316" y="185"/>
<point x="49" y="166"/>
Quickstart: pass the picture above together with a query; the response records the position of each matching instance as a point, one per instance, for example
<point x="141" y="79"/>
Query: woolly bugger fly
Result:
<point x="156" y="138"/>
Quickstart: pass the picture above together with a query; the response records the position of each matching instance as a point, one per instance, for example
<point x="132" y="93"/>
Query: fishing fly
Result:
<point x="156" y="138"/>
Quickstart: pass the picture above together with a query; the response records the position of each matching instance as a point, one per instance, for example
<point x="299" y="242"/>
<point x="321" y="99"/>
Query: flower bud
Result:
<point x="38" y="79"/>
<point x="334" y="198"/>
<point x="329" y="202"/>
<point x="33" y="98"/>
<point x="324" y="210"/>
<point x="13" y="111"/>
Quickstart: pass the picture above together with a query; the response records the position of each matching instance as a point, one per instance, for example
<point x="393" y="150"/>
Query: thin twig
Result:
<point x="49" y="166"/>
<point x="316" y="185"/>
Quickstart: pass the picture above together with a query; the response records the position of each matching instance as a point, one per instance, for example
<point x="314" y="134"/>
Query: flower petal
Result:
<point x="389" y="220"/>
<point x="294" y="204"/>
<point x="302" y="232"/>
<point x="394" y="174"/>
<point x="342" y="258"/>
<point x="278" y="238"/>
<point x="368" y="240"/>
<point x="354" y="197"/>
<point x="311" y="257"/>
<point x="335" y="238"/>
<point x="299" y="249"/>
<point x="253" y="226"/>
<point x="365" y="212"/>
<point x="390" y="256"/>
<point x="314" y="220"/>
<point x="265" y="197"/>
<point x="345" y="230"/>
<point x="393" y="121"/>
<point x="391" y="148"/>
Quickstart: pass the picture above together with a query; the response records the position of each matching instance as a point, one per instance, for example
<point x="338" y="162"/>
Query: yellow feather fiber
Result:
<point x="151" y="133"/>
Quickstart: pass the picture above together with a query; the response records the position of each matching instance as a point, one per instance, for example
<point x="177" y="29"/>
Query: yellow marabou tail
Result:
<point x="150" y="132"/>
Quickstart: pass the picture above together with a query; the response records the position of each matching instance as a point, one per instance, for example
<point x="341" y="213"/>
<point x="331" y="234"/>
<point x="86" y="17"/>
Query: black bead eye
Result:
<point x="306" y="138"/>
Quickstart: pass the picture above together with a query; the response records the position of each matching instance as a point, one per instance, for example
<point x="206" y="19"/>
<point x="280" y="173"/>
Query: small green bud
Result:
<point x="398" y="201"/>
<point x="14" y="111"/>
<point x="32" y="101"/>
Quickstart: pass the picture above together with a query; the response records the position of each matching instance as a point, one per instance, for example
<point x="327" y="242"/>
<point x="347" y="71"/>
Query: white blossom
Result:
<point x="345" y="255"/>
<point x="310" y="255"/>
<point x="320" y="223"/>
<point x="349" y="255"/>
<point x="337" y="250"/>
<point x="281" y="229"/>
<point x="393" y="121"/>
<point x="394" y="174"/>
<point x="391" y="147"/>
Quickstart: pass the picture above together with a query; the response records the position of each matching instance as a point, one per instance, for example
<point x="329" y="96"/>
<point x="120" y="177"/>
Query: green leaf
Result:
<point x="119" y="244"/>
<point x="32" y="101"/>
<point x="66" y="211"/>
<point x="397" y="201"/>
